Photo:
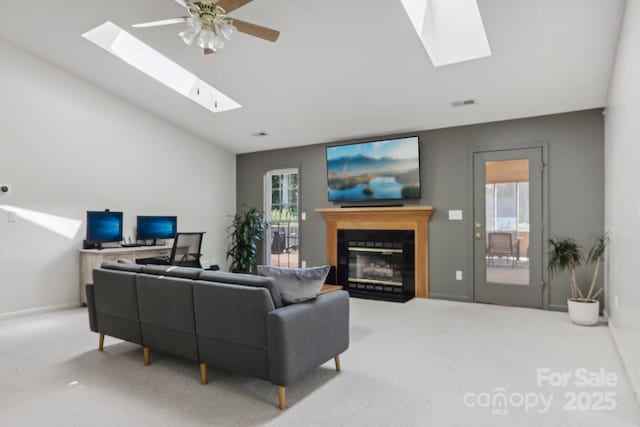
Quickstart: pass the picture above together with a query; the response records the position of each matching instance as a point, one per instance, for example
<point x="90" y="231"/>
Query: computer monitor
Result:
<point x="103" y="227"/>
<point x="156" y="227"/>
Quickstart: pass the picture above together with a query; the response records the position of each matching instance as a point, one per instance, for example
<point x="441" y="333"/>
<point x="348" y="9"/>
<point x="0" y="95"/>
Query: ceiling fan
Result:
<point x="209" y="26"/>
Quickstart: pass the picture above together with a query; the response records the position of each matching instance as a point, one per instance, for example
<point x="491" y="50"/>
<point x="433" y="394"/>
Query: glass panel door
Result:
<point x="281" y="211"/>
<point x="507" y="221"/>
<point x="508" y="227"/>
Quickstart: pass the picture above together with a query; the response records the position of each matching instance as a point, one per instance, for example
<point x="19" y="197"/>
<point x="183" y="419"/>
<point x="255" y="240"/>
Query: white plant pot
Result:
<point x="584" y="313"/>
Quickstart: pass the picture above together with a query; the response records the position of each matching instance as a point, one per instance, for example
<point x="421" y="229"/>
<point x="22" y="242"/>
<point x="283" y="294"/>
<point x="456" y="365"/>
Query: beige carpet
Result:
<point x="409" y="364"/>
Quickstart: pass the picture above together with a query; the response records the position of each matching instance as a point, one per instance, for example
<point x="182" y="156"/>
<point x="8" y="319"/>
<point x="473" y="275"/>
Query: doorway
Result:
<point x="508" y="227"/>
<point x="281" y="212"/>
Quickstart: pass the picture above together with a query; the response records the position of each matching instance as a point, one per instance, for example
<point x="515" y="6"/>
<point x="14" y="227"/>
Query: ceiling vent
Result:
<point x="463" y="103"/>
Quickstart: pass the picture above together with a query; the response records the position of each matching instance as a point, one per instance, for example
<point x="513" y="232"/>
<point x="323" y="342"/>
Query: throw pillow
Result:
<point x="296" y="284"/>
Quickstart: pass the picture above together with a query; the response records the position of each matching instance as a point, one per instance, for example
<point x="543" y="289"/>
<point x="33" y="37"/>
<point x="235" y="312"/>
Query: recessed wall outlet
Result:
<point x="458" y="275"/>
<point x="5" y="189"/>
<point x="303" y="216"/>
<point x="303" y="264"/>
<point x="615" y="301"/>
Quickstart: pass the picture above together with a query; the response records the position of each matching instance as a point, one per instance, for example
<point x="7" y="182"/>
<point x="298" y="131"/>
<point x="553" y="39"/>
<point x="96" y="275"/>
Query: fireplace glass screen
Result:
<point x="377" y="266"/>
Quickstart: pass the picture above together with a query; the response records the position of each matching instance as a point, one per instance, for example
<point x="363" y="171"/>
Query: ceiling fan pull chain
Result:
<point x="215" y="82"/>
<point x="198" y="72"/>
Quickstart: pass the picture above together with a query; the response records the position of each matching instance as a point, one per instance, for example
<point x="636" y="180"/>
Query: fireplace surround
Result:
<point x="408" y="218"/>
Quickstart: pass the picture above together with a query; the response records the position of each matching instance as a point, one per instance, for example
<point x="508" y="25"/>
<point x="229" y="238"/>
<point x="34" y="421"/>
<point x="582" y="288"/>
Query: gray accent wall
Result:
<point x="575" y="199"/>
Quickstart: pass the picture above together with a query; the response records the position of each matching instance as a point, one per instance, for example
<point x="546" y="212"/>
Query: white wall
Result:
<point x="66" y="147"/>
<point x="622" y="193"/>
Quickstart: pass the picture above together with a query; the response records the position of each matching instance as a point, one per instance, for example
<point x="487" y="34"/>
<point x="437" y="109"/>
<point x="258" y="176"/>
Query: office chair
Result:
<point x="186" y="250"/>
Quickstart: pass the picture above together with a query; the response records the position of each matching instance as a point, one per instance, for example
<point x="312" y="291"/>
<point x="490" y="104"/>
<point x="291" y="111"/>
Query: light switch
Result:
<point x="13" y="217"/>
<point x="304" y="264"/>
<point x="458" y="275"/>
<point x="303" y="216"/>
<point x="455" y="215"/>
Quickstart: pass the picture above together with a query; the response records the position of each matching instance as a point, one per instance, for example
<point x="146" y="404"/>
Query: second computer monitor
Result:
<point x="156" y="227"/>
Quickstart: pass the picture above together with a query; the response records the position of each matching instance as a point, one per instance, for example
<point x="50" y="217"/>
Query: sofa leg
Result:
<point x="337" y="360"/>
<point x="282" y="398"/>
<point x="203" y="373"/>
<point x="101" y="342"/>
<point x="147" y="356"/>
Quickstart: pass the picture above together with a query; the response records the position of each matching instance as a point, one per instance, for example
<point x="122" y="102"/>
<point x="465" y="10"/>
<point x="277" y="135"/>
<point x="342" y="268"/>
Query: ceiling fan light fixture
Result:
<point x="209" y="23"/>
<point x="227" y="29"/>
<point x="188" y="36"/>
<point x="217" y="43"/>
<point x="205" y="41"/>
<point x="194" y="24"/>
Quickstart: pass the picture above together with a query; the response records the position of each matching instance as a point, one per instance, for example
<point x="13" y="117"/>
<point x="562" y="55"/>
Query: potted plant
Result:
<point x="246" y="229"/>
<point x="567" y="254"/>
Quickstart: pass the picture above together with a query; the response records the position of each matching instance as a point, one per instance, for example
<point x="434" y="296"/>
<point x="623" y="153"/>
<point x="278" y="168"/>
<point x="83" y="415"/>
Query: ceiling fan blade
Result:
<point x="161" y="22"/>
<point x="230" y="5"/>
<point x="209" y="51"/>
<point x="182" y="3"/>
<point x="256" y="30"/>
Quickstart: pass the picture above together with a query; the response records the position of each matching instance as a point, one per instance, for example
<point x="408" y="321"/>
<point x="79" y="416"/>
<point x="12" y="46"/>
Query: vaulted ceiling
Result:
<point x="341" y="69"/>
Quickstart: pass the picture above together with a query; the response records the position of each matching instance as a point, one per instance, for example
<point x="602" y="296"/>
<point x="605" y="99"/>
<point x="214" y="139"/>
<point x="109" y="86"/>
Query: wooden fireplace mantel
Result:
<point x="414" y="218"/>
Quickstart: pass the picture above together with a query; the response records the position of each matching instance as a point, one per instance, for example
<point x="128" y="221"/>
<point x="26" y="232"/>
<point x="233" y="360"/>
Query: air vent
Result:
<point x="463" y="103"/>
<point x="260" y="134"/>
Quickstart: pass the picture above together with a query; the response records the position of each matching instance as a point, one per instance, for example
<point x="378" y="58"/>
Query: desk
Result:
<point x="90" y="259"/>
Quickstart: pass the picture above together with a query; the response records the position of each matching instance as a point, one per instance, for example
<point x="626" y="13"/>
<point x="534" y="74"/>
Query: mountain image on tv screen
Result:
<point x="382" y="170"/>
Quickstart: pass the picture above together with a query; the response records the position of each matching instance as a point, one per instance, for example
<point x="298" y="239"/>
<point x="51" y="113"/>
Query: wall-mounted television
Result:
<point x="103" y="227"/>
<point x="156" y="227"/>
<point x="378" y="170"/>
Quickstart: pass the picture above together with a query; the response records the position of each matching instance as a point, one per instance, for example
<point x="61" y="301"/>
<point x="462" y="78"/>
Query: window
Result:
<point x="281" y="210"/>
<point x="508" y="206"/>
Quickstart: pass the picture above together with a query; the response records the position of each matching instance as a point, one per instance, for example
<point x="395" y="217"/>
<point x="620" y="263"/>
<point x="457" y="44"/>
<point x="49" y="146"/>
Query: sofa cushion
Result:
<point x="246" y="280"/>
<point x="231" y="326"/>
<point x="172" y="271"/>
<point x="296" y="284"/>
<point x="120" y="266"/>
<point x="166" y="314"/>
<point x="116" y="304"/>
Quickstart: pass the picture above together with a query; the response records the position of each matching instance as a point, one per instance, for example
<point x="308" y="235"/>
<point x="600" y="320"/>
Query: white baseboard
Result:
<point x="39" y="310"/>
<point x="633" y="381"/>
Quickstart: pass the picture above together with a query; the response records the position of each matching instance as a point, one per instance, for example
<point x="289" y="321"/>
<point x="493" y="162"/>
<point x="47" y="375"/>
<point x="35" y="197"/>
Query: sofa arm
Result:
<point x="91" y="306"/>
<point x="303" y="336"/>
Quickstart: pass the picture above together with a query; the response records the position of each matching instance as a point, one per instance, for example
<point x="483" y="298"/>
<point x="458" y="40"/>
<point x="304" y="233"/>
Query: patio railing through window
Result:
<point x="284" y="236"/>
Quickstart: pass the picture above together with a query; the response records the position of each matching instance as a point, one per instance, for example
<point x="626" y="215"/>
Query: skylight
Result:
<point x="450" y="30"/>
<point x="123" y="45"/>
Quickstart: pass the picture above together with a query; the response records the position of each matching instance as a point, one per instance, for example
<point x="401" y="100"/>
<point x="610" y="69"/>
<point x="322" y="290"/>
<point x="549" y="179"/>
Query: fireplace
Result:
<point x="377" y="264"/>
<point x="402" y="219"/>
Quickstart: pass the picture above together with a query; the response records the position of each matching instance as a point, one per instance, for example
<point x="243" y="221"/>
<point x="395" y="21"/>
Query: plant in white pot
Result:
<point x="567" y="254"/>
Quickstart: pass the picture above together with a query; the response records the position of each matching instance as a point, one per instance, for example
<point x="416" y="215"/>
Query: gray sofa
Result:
<point x="229" y="321"/>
